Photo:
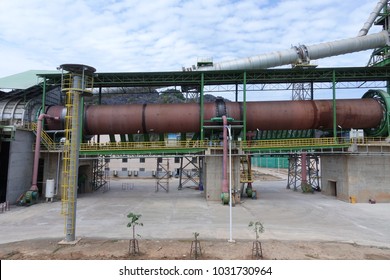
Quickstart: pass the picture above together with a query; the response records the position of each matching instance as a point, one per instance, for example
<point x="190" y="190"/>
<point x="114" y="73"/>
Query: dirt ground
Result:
<point x="99" y="249"/>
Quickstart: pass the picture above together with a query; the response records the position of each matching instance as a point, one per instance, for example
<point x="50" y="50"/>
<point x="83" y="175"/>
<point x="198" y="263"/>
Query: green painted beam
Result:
<point x="44" y="96"/>
<point x="334" y="105"/>
<point x="141" y="152"/>
<point x="112" y="138"/>
<point x="232" y="77"/>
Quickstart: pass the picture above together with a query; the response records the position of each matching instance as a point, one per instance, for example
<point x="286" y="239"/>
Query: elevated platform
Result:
<point x="281" y="146"/>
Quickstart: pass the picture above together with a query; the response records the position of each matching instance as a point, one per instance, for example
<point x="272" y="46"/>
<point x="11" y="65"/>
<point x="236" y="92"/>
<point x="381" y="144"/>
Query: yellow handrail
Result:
<point x="205" y="144"/>
<point x="46" y="139"/>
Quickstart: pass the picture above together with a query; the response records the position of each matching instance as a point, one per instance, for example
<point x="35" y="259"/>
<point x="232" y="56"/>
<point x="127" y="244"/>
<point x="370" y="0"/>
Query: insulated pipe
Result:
<point x="304" y="53"/>
<point x="34" y="186"/>
<point x="367" y="25"/>
<point x="265" y="115"/>
<point x="348" y="45"/>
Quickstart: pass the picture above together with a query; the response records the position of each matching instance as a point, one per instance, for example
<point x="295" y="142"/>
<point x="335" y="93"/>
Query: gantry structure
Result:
<point x="240" y="82"/>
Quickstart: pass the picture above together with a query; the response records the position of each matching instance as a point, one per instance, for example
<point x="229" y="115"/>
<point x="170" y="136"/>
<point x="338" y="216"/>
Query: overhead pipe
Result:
<point x="34" y="186"/>
<point x="262" y="115"/>
<point x="367" y="25"/>
<point x="302" y="53"/>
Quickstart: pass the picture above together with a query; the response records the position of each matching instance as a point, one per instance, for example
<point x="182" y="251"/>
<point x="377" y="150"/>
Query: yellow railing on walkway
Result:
<point x="46" y="139"/>
<point x="263" y="144"/>
<point x="299" y="142"/>
<point x="144" y="145"/>
<point x="309" y="143"/>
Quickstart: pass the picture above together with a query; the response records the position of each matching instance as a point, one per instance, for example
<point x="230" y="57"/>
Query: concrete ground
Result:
<point x="285" y="214"/>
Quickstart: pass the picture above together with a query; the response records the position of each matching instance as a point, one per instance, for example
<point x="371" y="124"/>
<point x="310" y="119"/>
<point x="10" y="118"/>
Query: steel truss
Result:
<point x="162" y="174"/>
<point x="99" y="173"/>
<point x="193" y="175"/>
<point x="289" y="86"/>
<point x="294" y="180"/>
<point x="351" y="77"/>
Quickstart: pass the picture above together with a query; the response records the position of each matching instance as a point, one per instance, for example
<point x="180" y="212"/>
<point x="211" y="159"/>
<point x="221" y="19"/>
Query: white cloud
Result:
<point x="166" y="35"/>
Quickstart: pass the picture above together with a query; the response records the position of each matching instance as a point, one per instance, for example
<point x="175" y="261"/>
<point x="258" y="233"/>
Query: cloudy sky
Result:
<point x="165" y="35"/>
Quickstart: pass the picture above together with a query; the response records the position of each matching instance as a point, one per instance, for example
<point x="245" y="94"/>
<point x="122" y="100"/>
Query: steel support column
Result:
<point x="162" y="174"/>
<point x="193" y="175"/>
<point x="77" y="81"/>
<point x="43" y="97"/>
<point x="334" y="104"/>
<point x="303" y="169"/>
<point x="202" y="107"/>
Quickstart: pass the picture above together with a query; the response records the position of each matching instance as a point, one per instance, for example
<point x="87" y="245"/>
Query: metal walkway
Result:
<point x="185" y="147"/>
<point x="199" y="146"/>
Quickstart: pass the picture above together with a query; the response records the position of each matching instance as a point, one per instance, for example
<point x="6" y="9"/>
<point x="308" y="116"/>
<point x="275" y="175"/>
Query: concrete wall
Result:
<point x="144" y="168"/>
<point x="85" y="169"/>
<point x="50" y="170"/>
<point x="212" y="171"/>
<point x="21" y="158"/>
<point x="334" y="173"/>
<point x="357" y="178"/>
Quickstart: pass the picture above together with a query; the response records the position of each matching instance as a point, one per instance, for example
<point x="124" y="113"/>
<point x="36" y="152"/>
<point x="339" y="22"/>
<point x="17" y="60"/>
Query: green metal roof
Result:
<point x="24" y="80"/>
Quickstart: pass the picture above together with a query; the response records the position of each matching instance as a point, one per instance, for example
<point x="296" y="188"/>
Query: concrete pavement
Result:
<point x="285" y="214"/>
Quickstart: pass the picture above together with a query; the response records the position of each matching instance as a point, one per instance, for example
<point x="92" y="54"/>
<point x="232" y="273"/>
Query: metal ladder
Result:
<point x="69" y="175"/>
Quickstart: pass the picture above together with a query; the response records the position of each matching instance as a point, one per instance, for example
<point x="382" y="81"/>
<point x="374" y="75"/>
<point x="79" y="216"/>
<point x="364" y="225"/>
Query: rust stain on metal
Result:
<point x="268" y="115"/>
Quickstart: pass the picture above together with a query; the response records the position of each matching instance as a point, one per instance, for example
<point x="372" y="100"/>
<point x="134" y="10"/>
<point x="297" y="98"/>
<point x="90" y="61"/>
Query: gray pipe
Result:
<point x="367" y="25"/>
<point x="302" y="53"/>
<point x="349" y="45"/>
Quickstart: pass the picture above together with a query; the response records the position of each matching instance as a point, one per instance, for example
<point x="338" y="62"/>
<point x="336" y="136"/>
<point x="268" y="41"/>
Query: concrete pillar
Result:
<point x="213" y="175"/>
<point x="21" y="158"/>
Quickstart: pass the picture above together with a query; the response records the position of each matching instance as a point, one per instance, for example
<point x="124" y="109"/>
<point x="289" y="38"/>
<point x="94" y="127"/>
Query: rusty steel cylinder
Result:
<point x="142" y="118"/>
<point x="313" y="114"/>
<point x="262" y="115"/>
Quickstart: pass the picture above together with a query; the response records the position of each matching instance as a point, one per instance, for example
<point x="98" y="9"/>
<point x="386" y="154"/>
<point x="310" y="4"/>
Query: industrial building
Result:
<point x="54" y="143"/>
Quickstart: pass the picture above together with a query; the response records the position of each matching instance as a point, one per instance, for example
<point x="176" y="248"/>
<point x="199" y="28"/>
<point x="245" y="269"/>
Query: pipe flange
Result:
<point x="304" y="54"/>
<point x="383" y="98"/>
<point x="220" y="107"/>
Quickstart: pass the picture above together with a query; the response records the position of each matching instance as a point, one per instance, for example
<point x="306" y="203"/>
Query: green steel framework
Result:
<point x="380" y="57"/>
<point x="200" y="79"/>
<point x="232" y="77"/>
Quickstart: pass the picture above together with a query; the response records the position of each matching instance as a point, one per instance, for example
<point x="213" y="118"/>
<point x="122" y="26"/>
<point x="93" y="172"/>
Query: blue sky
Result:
<point x="165" y="35"/>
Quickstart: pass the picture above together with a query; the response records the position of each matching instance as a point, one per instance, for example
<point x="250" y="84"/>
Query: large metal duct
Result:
<point x="268" y="115"/>
<point x="302" y="53"/>
<point x="17" y="111"/>
<point x="24" y="106"/>
<point x="367" y="25"/>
